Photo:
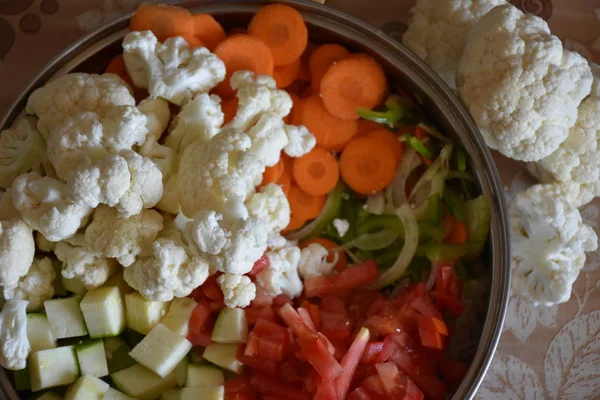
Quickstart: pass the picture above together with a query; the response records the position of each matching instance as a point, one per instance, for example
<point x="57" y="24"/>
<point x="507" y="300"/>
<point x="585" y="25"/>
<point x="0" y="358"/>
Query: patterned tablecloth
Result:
<point x="545" y="353"/>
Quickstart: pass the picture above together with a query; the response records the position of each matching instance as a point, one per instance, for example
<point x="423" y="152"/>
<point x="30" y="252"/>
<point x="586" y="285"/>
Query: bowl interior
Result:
<point x="93" y="52"/>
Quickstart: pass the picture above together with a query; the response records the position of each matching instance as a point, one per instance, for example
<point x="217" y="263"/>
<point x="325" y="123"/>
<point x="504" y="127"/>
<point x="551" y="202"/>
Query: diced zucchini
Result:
<point x="117" y="355"/>
<point x="139" y="382"/>
<point x="213" y="393"/>
<point x="118" y="281"/>
<point x="87" y="388"/>
<point x="92" y="358"/>
<point x="114" y="394"/>
<point x="178" y="317"/>
<point x="231" y="326"/>
<point x="65" y="317"/>
<point x="174" y="394"/>
<point x="204" y="376"/>
<point x="181" y="372"/>
<point x="161" y="350"/>
<point x="103" y="311"/>
<point x="142" y="315"/>
<point x="53" y="367"/>
<point x="225" y="356"/>
<point x="22" y="379"/>
<point x="73" y="285"/>
<point x="39" y="333"/>
<point x="49" y="396"/>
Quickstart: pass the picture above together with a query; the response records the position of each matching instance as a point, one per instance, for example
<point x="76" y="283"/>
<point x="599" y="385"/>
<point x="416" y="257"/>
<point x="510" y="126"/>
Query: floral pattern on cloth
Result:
<point x="544" y="353"/>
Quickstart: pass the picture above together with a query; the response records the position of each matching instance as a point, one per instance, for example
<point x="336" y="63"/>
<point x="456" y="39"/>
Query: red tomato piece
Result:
<point x="271" y="386"/>
<point x="265" y="366"/>
<point x="200" y="316"/>
<point x="424" y="305"/>
<point x="260" y="265"/>
<point x="201" y="339"/>
<point x="383" y="325"/>
<point x="452" y="304"/>
<point x="318" y="355"/>
<point x="238" y="384"/>
<point x="271" y="348"/>
<point x="332" y="304"/>
<point x="211" y="288"/>
<point x="335" y="326"/>
<point x="326" y="391"/>
<point x="313" y="311"/>
<point x="254" y="313"/>
<point x="396" y="384"/>
<point x="359" y="393"/>
<point x="351" y="278"/>
<point x="374" y="386"/>
<point x="294" y="321"/>
<point x="350" y="362"/>
<point x="251" y="348"/>
<point x="267" y="328"/>
<point x="371" y="351"/>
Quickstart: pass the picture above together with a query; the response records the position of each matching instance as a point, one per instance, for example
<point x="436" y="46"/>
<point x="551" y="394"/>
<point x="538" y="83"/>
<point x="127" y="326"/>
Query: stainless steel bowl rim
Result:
<point x="420" y="73"/>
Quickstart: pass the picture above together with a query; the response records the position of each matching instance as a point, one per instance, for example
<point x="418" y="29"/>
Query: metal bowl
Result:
<point x="92" y="52"/>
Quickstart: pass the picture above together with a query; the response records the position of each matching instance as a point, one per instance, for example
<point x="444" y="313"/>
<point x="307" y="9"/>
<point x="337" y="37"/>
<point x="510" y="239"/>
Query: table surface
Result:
<point x="544" y="353"/>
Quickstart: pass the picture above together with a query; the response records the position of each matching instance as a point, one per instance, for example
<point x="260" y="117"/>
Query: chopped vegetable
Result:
<point x="321" y="59"/>
<point x="332" y="133"/>
<point x="317" y="172"/>
<point x="208" y="30"/>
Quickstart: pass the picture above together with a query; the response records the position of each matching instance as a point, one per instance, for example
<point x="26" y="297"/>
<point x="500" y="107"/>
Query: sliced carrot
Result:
<point x="366" y="126"/>
<point x="367" y="165"/>
<point x="295" y="223"/>
<point x="457" y="234"/>
<point x="391" y="140"/>
<point x="304" y="74"/>
<point x="285" y="181"/>
<point x="243" y="52"/>
<point x="341" y="264"/>
<point x="284" y="75"/>
<point x="317" y="172"/>
<point x="164" y="21"/>
<point x="321" y="59"/>
<point x="272" y="174"/>
<point x="116" y="66"/>
<point x="235" y="31"/>
<point x="352" y="83"/>
<point x="229" y="108"/>
<point x="288" y="163"/>
<point x="304" y="205"/>
<point x="307" y="92"/>
<point x="332" y="133"/>
<point x="193" y="41"/>
<point x="283" y="30"/>
<point x="208" y="30"/>
<point x="295" y="116"/>
<point x="297" y="87"/>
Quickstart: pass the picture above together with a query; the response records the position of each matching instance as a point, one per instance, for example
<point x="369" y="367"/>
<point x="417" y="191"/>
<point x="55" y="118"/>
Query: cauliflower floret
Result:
<point x="169" y="202"/>
<point x="72" y="94"/>
<point x="520" y="86"/>
<point x="268" y="137"/>
<point x="230" y="244"/>
<point x="170" y="271"/>
<point x="37" y="286"/>
<point x="438" y="29"/>
<point x="341" y="226"/>
<point x="271" y="206"/>
<point x="164" y="157"/>
<point x="257" y="95"/>
<point x="199" y="119"/>
<point x="170" y="70"/>
<point x="301" y="141"/>
<point x="45" y="206"/>
<point x="86" y="135"/>
<point x="83" y="264"/>
<point x="13" y="335"/>
<point x="44" y="244"/>
<point x="281" y="277"/>
<point x="549" y="242"/>
<point x="313" y="261"/>
<point x="22" y="149"/>
<point x="126" y="181"/>
<point x="228" y="170"/>
<point x="238" y="290"/>
<point x="157" y="114"/>
<point x="275" y="241"/>
<point x="577" y="159"/>
<point x="114" y="236"/>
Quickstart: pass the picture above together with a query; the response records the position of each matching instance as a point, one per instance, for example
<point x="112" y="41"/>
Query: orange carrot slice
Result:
<point x="316" y="172"/>
<point x="366" y="126"/>
<point x="332" y="133"/>
<point x="164" y="21"/>
<point x="116" y="66"/>
<point x="284" y="75"/>
<point x="295" y="223"/>
<point x="304" y="205"/>
<point x="193" y="41"/>
<point x="272" y="174"/>
<point x="321" y="59"/>
<point x="229" y="108"/>
<point x="367" y="165"/>
<point x="243" y="52"/>
<point x="282" y="29"/>
<point x="295" y="116"/>
<point x="391" y="140"/>
<point x="208" y="30"/>
<point x="285" y="181"/>
<point x="352" y="83"/>
<point x="235" y="31"/>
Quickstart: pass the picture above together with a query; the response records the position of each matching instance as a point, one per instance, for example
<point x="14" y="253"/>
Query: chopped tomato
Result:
<point x="326" y="391"/>
<point x="371" y="351"/>
<point x="383" y="326"/>
<point x="350" y="362"/>
<point x="374" y="386"/>
<point x="254" y="313"/>
<point x="447" y="282"/>
<point x="211" y="288"/>
<point x="200" y="316"/>
<point x="294" y="321"/>
<point x="318" y="355"/>
<point x="313" y="311"/>
<point x="351" y="278"/>
<point x="259" y="364"/>
<point x="305" y="315"/>
<point x="281" y="299"/>
<point x="201" y="339"/>
<point x="260" y="265"/>
<point x="425" y="306"/>
<point x="238" y="388"/>
<point x="335" y="326"/>
<point x="271" y="348"/>
<point x="271" y="386"/>
<point x="332" y="304"/>
<point x="452" y="304"/>
<point x="359" y="393"/>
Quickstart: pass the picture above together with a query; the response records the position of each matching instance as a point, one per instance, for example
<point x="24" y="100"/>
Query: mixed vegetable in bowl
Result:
<point x="241" y="215"/>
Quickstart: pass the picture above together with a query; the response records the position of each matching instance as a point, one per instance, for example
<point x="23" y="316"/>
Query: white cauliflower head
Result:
<point x="238" y="290"/>
<point x="578" y="157"/>
<point x="281" y="277"/>
<point x="37" y="286"/>
<point x="256" y="95"/>
<point x="228" y="170"/>
<point x="199" y="119"/>
<point x="14" y="344"/>
<point x="169" y="202"/>
<point x="157" y="114"/>
<point x="17" y="249"/>
<point x="271" y="206"/>
<point x="300" y="141"/>
<point x="268" y="137"/>
<point x="169" y="271"/>
<point x="72" y="94"/>
<point x="22" y="149"/>
<point x="114" y="236"/>
<point x="438" y="29"/>
<point x="145" y="187"/>
<point x="549" y="242"/>
<point x="313" y="261"/>
<point x="164" y="157"/>
<point x="520" y="86"/>
<point x="45" y="206"/>
<point x="231" y="245"/>
<point x="170" y="70"/>
<point x="83" y="264"/>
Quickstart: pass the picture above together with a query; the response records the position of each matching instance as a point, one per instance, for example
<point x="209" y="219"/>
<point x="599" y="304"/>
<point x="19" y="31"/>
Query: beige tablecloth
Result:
<point x="545" y="353"/>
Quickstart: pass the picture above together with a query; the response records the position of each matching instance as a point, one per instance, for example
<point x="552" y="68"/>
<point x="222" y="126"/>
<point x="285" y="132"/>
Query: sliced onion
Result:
<point x="397" y="190"/>
<point x="372" y="241"/>
<point x="434" y="132"/>
<point x="442" y="162"/>
<point x="411" y="240"/>
<point x="432" y="275"/>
